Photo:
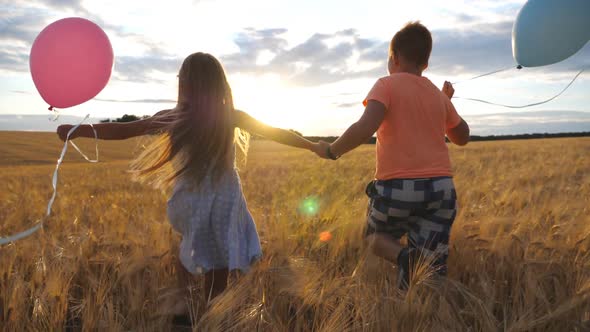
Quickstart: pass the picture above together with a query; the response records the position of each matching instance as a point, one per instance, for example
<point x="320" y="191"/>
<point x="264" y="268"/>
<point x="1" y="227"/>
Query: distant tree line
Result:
<point x="126" y="118"/>
<point x="476" y="138"/>
<point x="528" y="136"/>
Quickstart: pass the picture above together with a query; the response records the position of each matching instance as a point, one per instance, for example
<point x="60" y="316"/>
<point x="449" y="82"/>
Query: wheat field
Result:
<point x="106" y="258"/>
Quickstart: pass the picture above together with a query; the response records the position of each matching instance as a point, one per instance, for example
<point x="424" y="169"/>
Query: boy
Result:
<point x="413" y="192"/>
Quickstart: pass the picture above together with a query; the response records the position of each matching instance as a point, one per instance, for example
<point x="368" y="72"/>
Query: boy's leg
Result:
<point x="387" y="220"/>
<point x="429" y="240"/>
<point x="422" y="208"/>
<point x="429" y="246"/>
<point x="384" y="246"/>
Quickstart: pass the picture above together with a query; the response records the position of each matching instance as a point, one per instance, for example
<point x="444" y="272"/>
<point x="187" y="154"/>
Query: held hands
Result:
<point x="448" y="89"/>
<point x="321" y="149"/>
<point x="62" y="132"/>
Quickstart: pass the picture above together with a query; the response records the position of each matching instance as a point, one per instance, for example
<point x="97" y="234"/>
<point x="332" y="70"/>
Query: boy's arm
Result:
<point x="459" y="134"/>
<point x="248" y="123"/>
<point x="116" y="130"/>
<point x="360" y="131"/>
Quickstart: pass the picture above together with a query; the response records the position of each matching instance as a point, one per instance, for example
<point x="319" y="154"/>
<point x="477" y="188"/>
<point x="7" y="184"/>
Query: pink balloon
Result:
<point x="71" y="62"/>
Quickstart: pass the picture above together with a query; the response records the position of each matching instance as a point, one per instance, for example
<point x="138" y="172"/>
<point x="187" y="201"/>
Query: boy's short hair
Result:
<point x="413" y="42"/>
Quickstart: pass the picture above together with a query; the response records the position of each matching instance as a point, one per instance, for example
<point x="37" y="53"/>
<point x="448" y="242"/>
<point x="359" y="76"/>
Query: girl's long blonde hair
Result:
<point x="198" y="136"/>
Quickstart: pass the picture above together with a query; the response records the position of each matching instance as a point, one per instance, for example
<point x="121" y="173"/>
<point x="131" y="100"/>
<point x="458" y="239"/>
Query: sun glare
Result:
<point x="269" y="100"/>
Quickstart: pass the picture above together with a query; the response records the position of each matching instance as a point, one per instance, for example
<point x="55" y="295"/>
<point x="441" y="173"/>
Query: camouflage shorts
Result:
<point x="422" y="209"/>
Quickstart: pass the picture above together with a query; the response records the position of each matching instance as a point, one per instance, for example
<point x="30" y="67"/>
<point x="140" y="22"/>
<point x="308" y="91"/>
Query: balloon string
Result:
<point x="487" y="74"/>
<point x="527" y="105"/>
<point x="39" y="225"/>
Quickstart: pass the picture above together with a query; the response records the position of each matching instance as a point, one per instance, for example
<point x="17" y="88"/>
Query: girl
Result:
<point x="196" y="155"/>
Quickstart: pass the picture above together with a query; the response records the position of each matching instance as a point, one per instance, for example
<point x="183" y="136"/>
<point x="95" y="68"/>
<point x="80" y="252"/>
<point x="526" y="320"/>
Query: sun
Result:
<point x="267" y="99"/>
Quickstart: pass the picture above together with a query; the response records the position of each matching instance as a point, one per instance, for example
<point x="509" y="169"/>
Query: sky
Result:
<point x="305" y="65"/>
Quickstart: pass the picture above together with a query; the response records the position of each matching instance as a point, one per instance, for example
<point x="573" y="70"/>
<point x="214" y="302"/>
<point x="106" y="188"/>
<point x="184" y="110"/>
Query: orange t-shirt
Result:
<point x="411" y="138"/>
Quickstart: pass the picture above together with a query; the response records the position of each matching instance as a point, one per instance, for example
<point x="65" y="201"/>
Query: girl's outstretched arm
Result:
<point x="116" y="130"/>
<point x="287" y="137"/>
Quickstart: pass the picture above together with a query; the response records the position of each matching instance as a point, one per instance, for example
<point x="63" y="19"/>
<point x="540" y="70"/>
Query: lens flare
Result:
<point x="325" y="236"/>
<point x="309" y="206"/>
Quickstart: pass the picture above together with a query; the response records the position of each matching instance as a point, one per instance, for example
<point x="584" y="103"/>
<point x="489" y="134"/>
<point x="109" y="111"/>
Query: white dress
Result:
<point x="217" y="229"/>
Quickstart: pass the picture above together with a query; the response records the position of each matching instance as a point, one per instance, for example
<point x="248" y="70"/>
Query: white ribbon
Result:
<point x="526" y="105"/>
<point x="39" y="225"/>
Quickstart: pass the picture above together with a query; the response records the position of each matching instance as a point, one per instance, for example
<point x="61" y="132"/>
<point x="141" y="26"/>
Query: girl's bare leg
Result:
<point x="215" y="283"/>
<point x="174" y="299"/>
<point x="179" y="306"/>
<point x="183" y="277"/>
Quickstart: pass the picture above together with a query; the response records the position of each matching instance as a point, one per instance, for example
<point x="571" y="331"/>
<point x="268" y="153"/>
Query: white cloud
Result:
<point x="311" y="51"/>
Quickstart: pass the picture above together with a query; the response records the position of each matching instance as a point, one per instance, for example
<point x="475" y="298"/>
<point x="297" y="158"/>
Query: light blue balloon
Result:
<point x="549" y="31"/>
